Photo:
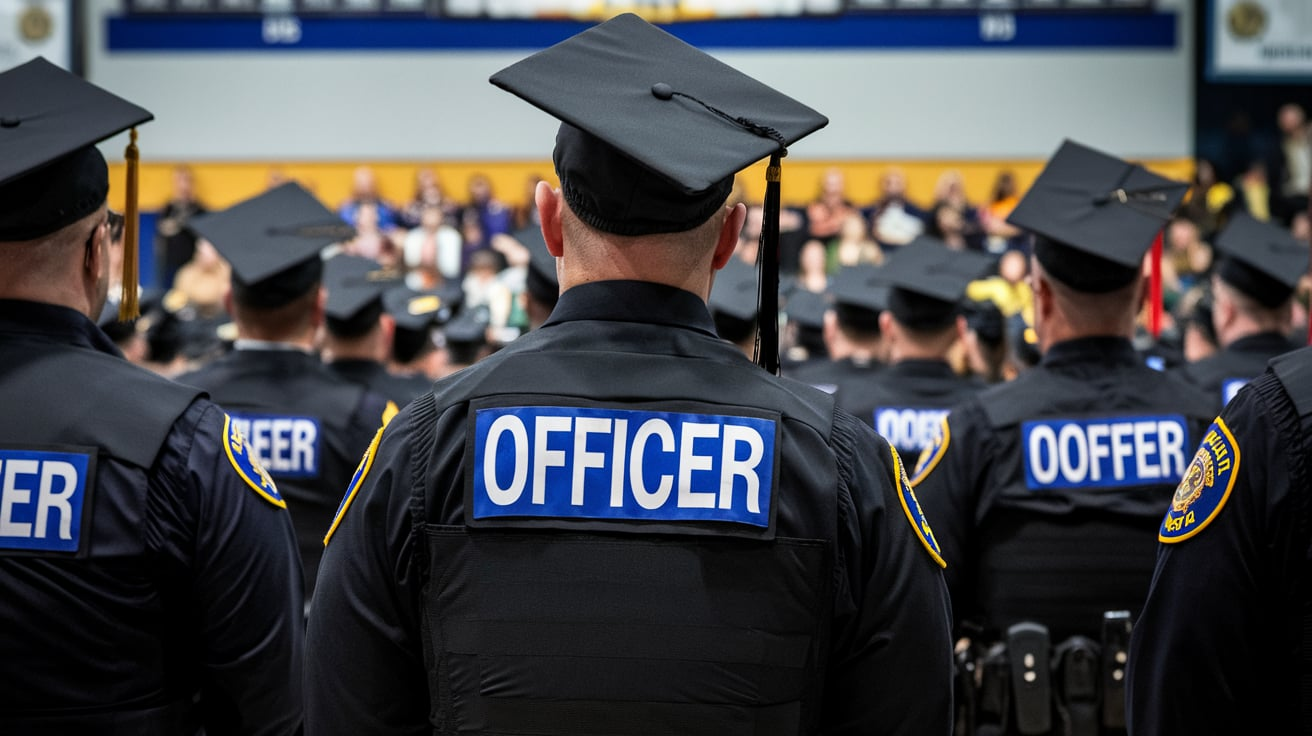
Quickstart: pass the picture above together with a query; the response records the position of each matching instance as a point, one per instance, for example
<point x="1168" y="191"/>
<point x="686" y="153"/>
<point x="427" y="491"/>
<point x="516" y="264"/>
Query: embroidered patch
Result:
<point x="932" y="454"/>
<point x="911" y="506"/>
<point x="239" y="454"/>
<point x="1206" y="485"/>
<point x="361" y="472"/>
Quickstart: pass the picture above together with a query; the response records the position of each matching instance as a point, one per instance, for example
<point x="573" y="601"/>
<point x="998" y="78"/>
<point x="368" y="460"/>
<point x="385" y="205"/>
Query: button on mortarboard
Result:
<point x="928" y="280"/>
<point x="1095" y="216"/>
<point x="274" y="243"/>
<point x="1260" y="259"/>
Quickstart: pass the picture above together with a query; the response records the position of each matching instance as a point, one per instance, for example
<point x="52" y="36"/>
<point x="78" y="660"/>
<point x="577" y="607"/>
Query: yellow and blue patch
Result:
<point x="911" y="507"/>
<point x="933" y="453"/>
<point x="1206" y="485"/>
<point x="357" y="480"/>
<point x="243" y="461"/>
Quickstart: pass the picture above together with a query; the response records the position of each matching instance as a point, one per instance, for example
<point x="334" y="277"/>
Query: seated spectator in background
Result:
<point x="963" y="231"/>
<point x="483" y="287"/>
<point x="372" y="240"/>
<point x="202" y="283"/>
<point x="893" y="219"/>
<point x="494" y="217"/>
<point x="364" y="191"/>
<point x="1290" y="167"/>
<point x="1186" y="260"/>
<point x="1009" y="289"/>
<point x="813" y="271"/>
<point x="854" y="245"/>
<point x="1255" y="191"/>
<point x="473" y="238"/>
<point x="174" y="243"/>
<point x="1210" y="201"/>
<point x="432" y="252"/>
<point x="1001" y="235"/>
<point x="825" y="215"/>
<point x="428" y="193"/>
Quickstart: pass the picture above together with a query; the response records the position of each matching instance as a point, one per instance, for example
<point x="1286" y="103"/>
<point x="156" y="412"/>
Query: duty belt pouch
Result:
<point x="1078" y="674"/>
<point x="993" y="704"/>
<point x="1029" y="650"/>
<point x="1116" y="628"/>
<point x="966" y="683"/>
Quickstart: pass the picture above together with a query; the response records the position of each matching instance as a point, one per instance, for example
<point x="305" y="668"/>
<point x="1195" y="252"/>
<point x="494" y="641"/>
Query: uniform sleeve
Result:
<point x="891" y="661"/>
<point x="244" y="581"/>
<point x="364" y="652"/>
<point x="1198" y="661"/>
<point x="945" y="481"/>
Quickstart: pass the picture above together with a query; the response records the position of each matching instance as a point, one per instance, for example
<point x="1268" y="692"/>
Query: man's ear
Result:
<point x="729" y="232"/>
<point x="549" y="204"/>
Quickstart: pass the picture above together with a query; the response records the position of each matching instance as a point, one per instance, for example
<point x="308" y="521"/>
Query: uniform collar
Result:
<point x="923" y="367"/>
<point x="1262" y="342"/>
<point x="270" y="346"/>
<point x="633" y="301"/>
<point x="53" y="323"/>
<point x="1101" y="350"/>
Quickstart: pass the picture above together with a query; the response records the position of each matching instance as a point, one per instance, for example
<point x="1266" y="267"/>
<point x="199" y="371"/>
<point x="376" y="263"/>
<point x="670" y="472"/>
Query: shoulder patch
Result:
<point x="932" y="454"/>
<point x="1206" y="485"/>
<point x="907" y="495"/>
<point x="239" y="454"/>
<point x="361" y="472"/>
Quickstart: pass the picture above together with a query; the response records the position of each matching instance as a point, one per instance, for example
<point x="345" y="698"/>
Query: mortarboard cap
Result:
<point x="1260" y="259"/>
<point x="1095" y="216"/>
<point x="346" y="269"/>
<point x="986" y="320"/>
<point x="928" y="280"/>
<point x="51" y="173"/>
<point x="653" y="131"/>
<point x="353" y="308"/>
<point x="733" y="302"/>
<point x="859" y="296"/>
<point x="468" y="328"/>
<point x="540" y="279"/>
<point x="274" y="243"/>
<point x="807" y="309"/>
<point x="417" y="311"/>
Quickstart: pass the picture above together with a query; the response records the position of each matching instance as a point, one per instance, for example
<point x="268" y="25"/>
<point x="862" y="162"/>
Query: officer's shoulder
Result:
<point x="1294" y="371"/>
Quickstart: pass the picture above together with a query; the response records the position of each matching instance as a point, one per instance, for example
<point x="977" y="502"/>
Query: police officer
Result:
<point x="358" y="332"/>
<point x="1252" y="293"/>
<point x="306" y="425"/>
<point x="618" y="524"/>
<point x="148" y="574"/>
<point x="1045" y="491"/>
<point x="1222" y="646"/>
<point x="851" y="332"/>
<point x="907" y="401"/>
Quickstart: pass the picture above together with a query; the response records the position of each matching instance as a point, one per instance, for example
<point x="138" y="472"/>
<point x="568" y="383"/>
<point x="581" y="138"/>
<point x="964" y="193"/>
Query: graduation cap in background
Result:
<point x="859" y="295"/>
<point x="928" y="280"/>
<point x="652" y="132"/>
<point x="540" y="279"/>
<point x="416" y="313"/>
<point x="1261" y="260"/>
<point x="986" y="320"/>
<point x="1095" y="217"/>
<point x="51" y="173"/>
<point x="355" y="294"/>
<point x="807" y="309"/>
<point x="347" y="269"/>
<point x="274" y="243"/>
<point x="733" y="302"/>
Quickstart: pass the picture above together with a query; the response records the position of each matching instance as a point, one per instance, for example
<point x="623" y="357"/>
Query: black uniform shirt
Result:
<point x="371" y="374"/>
<point x="1045" y="491"/>
<point x="910" y="399"/>
<point x="436" y="607"/>
<point x="182" y="583"/>
<point x="1216" y="650"/>
<point x="1224" y="372"/>
<point x="307" y="426"/>
<point x="840" y="378"/>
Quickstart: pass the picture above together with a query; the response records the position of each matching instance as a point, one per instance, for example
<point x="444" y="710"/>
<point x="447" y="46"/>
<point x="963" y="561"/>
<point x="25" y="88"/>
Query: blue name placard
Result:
<point x="907" y="428"/>
<point x="42" y="497"/>
<point x="1107" y="452"/>
<point x="571" y="462"/>
<point x="285" y="446"/>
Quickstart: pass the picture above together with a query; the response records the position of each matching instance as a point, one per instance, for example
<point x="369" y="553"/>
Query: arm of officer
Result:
<point x="364" y="653"/>
<point x="943" y="482"/>
<point x="1200" y="653"/>
<point x="891" y="665"/>
<point x="245" y="580"/>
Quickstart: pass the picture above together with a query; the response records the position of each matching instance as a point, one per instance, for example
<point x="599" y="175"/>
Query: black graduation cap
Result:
<point x="1095" y="216"/>
<point x="928" y="280"/>
<point x="653" y="131"/>
<point x="807" y="309"/>
<point x="986" y="320"/>
<point x="733" y="302"/>
<point x="417" y="311"/>
<point x="540" y="280"/>
<point x="859" y="295"/>
<point x="274" y="243"/>
<point x="51" y="173"/>
<point x="1262" y="260"/>
<point x="347" y="269"/>
<point x="468" y="328"/>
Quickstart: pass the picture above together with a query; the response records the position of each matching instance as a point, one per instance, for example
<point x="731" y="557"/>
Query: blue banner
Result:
<point x="570" y="462"/>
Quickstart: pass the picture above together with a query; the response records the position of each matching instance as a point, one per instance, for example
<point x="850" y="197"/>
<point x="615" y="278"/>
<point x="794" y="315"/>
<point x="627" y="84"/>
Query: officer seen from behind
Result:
<point x="149" y="582"/>
<point x="617" y="523"/>
<point x="1046" y="491"/>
